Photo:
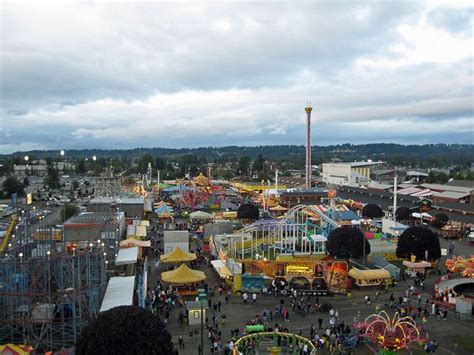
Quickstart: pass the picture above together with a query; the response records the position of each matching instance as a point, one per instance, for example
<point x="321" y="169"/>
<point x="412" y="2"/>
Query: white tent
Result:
<point x="424" y="215"/>
<point x="200" y="215"/>
<point x="127" y="256"/>
<point x="119" y="293"/>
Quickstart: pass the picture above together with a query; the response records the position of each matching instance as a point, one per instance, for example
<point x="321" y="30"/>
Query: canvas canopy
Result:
<point x="183" y="275"/>
<point x="119" y="293"/>
<point x="163" y="209"/>
<point x="131" y="242"/>
<point x="278" y="208"/>
<point x="200" y="215"/>
<point x="140" y="231"/>
<point x="418" y="264"/>
<point x="369" y="274"/>
<point x="178" y="255"/>
<point x="221" y="268"/>
<point x="127" y="256"/>
<point x="176" y="189"/>
<point x="145" y="223"/>
<point x="16" y="349"/>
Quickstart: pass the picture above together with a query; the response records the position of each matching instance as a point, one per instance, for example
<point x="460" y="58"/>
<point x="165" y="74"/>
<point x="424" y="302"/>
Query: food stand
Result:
<point x="185" y="279"/>
<point x="415" y="268"/>
<point x="178" y="255"/>
<point x="369" y="278"/>
<point x="193" y="308"/>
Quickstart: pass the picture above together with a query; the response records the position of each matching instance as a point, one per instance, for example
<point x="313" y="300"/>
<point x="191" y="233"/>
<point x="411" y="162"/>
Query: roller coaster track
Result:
<point x="7" y="235"/>
<point x="320" y="214"/>
<point x="273" y="227"/>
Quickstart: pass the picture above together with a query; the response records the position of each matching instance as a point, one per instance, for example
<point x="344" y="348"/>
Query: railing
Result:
<point x="272" y="343"/>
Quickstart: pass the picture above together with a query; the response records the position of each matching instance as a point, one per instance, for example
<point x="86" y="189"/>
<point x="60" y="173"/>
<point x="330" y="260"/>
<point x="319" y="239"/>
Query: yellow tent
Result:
<point x="183" y="275"/>
<point x="178" y="256"/>
<point x="201" y="180"/>
<point x="14" y="349"/>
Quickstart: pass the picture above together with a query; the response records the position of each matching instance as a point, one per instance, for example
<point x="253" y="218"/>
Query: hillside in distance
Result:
<point x="398" y="154"/>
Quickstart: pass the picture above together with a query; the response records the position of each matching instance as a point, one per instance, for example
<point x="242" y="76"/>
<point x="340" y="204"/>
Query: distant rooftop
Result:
<point x="356" y="164"/>
<point x="451" y="194"/>
<point x="461" y="183"/>
<point x="119" y="200"/>
<point x="442" y="187"/>
<point x="92" y="218"/>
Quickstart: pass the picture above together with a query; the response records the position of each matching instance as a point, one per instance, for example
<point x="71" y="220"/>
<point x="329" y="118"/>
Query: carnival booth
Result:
<point x="185" y="279"/>
<point x="177" y="256"/>
<point x="193" y="308"/>
<point x="370" y="278"/>
<point x="221" y="269"/>
<point x="278" y="210"/>
<point x="413" y="269"/>
<point x="200" y="217"/>
<point x="126" y="260"/>
<point x="132" y="242"/>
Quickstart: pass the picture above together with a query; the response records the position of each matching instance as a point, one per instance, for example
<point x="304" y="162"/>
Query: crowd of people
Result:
<point x="330" y="332"/>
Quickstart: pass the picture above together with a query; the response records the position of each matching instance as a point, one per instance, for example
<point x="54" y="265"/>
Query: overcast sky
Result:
<point x="115" y="75"/>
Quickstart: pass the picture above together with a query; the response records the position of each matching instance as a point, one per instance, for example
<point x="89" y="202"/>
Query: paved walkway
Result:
<point x="450" y="333"/>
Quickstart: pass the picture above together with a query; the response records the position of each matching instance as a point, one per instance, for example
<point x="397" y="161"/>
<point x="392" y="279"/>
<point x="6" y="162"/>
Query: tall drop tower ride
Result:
<point x="308" y="110"/>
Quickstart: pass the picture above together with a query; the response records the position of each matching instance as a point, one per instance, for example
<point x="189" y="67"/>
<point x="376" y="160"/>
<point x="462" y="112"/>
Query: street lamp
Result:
<point x="27" y="158"/>
<point x="201" y="296"/>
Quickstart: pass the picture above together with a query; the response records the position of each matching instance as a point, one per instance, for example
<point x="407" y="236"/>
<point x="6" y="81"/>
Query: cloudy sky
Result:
<point x="187" y="74"/>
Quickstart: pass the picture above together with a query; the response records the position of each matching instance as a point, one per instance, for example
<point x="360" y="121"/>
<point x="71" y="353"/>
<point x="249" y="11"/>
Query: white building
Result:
<point x="174" y="239"/>
<point x="352" y="174"/>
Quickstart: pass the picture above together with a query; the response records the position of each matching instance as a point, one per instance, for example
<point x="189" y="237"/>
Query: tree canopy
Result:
<point x="346" y="243"/>
<point x="12" y="185"/>
<point x="440" y="220"/>
<point x="372" y="210"/>
<point x="402" y="213"/>
<point x="52" y="180"/>
<point x="248" y="211"/>
<point x="125" y="330"/>
<point x="416" y="241"/>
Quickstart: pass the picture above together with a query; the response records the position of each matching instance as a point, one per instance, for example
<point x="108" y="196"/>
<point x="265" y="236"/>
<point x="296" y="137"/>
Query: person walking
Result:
<point x="320" y="323"/>
<point x="254" y="297"/>
<point x="245" y="297"/>
<point x="181" y="342"/>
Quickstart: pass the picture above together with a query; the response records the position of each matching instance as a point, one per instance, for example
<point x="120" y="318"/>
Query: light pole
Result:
<point x="363" y="241"/>
<point x="94" y="159"/>
<point x="26" y="162"/>
<point x="202" y="295"/>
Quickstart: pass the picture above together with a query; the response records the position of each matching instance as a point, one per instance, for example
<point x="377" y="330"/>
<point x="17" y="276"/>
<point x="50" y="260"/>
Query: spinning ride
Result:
<point x="390" y="334"/>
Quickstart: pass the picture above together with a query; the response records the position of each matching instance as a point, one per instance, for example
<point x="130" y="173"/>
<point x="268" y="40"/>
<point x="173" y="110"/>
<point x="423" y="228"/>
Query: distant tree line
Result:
<point x="258" y="162"/>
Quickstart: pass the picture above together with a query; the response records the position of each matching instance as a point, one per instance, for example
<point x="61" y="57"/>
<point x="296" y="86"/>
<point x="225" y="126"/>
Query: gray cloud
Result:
<point x="108" y="75"/>
<point x="459" y="21"/>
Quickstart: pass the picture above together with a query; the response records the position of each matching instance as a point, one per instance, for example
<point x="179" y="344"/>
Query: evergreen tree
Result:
<point x="52" y="179"/>
<point x="12" y="185"/>
<point x="244" y="164"/>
